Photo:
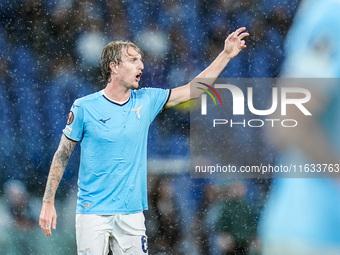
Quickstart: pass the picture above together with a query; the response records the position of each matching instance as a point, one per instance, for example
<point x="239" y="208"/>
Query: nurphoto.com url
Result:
<point x="268" y="168"/>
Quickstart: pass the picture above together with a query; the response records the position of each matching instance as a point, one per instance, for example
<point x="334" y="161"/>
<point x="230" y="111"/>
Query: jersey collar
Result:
<point x="120" y="103"/>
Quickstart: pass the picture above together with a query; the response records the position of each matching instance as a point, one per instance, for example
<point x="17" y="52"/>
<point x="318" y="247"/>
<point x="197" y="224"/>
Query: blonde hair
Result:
<point x="113" y="53"/>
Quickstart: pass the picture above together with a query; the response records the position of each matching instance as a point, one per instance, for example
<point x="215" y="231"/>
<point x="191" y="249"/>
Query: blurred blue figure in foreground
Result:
<point x="302" y="215"/>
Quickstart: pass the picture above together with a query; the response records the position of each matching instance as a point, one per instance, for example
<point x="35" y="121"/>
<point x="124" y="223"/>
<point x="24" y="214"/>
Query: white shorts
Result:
<point x="123" y="233"/>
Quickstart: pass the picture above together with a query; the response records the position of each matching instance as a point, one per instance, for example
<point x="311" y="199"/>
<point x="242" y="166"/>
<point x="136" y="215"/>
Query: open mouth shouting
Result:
<point x="138" y="76"/>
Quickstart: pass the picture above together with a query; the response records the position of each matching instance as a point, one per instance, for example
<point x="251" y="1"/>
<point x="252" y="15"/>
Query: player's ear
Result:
<point x="113" y="67"/>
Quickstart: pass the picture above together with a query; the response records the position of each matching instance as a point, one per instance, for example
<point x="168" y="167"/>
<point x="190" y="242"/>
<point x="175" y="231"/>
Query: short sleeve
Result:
<point x="75" y="122"/>
<point x="158" y="99"/>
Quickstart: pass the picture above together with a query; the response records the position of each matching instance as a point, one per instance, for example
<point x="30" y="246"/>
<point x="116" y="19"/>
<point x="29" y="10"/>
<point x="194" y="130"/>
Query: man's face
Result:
<point x="130" y="69"/>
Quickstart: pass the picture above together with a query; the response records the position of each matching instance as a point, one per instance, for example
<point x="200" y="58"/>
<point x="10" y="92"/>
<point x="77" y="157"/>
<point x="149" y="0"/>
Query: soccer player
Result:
<point x="112" y="127"/>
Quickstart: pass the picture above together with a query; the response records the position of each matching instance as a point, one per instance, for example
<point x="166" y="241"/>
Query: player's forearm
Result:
<point x="54" y="177"/>
<point x="232" y="47"/>
<point x="59" y="163"/>
<point x="209" y="74"/>
<point x="216" y="67"/>
<point x="193" y="90"/>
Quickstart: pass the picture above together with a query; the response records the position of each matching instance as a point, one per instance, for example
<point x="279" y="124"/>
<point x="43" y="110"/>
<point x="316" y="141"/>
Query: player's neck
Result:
<point x="117" y="93"/>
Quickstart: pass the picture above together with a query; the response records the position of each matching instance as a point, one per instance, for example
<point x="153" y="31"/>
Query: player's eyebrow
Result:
<point x="138" y="56"/>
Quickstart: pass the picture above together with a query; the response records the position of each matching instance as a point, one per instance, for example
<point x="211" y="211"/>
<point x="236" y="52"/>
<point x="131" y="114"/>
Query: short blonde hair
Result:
<point x="112" y="53"/>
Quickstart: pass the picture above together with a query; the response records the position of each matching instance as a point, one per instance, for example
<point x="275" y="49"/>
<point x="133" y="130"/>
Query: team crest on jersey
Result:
<point x="70" y="118"/>
<point x="137" y="110"/>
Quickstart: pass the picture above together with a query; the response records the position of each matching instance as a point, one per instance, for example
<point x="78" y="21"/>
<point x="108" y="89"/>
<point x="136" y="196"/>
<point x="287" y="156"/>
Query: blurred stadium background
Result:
<point x="50" y="53"/>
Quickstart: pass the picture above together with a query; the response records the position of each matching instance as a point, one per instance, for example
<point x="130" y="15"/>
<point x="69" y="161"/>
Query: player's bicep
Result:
<point x="179" y="95"/>
<point x="67" y="143"/>
<point x="65" y="148"/>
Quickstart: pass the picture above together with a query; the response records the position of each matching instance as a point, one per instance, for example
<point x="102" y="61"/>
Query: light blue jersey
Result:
<point x="113" y="139"/>
<point x="308" y="210"/>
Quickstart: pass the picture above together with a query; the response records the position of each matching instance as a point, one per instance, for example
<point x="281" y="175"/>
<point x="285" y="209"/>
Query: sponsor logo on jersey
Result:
<point x="104" y="120"/>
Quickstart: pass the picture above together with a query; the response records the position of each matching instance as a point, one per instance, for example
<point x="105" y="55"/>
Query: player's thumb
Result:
<point x="54" y="222"/>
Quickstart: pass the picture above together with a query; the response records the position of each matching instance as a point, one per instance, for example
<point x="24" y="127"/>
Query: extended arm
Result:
<point x="232" y="46"/>
<point x="48" y="214"/>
